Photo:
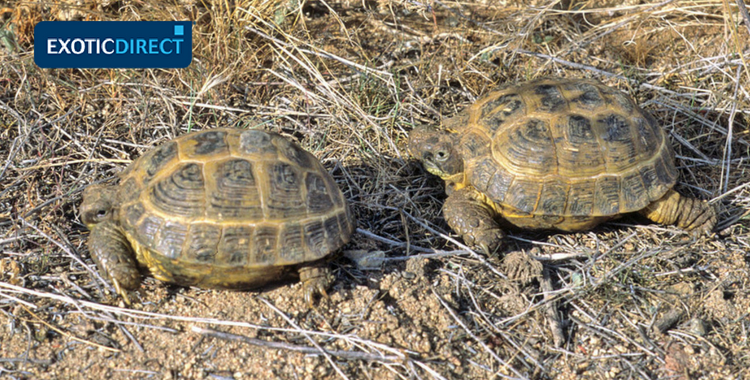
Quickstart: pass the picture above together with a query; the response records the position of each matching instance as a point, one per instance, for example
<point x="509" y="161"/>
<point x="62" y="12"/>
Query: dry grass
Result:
<point x="348" y="80"/>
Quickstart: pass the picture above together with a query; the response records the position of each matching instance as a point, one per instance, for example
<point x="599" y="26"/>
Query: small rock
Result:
<point x="366" y="260"/>
<point x="698" y="327"/>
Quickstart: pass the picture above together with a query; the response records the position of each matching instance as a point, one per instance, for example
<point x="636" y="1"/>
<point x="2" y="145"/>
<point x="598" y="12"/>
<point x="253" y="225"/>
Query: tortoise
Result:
<point x="221" y="208"/>
<point x="555" y="153"/>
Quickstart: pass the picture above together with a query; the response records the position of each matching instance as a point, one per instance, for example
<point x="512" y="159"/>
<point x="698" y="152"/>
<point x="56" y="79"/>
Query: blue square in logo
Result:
<point x="179" y="30"/>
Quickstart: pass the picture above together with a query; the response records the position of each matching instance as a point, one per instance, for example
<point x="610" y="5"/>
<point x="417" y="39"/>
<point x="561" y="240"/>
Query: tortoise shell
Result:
<point x="228" y="208"/>
<point x="563" y="153"/>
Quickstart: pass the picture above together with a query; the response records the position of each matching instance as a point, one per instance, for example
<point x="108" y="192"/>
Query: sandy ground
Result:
<point x="348" y="81"/>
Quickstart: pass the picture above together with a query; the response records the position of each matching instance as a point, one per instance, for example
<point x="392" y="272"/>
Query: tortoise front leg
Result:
<point x="112" y="254"/>
<point x="315" y="279"/>
<point x="468" y="214"/>
<point x="689" y="213"/>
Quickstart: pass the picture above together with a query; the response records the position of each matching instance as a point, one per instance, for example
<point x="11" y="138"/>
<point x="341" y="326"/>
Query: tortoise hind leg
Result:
<point x="689" y="213"/>
<point x="468" y="214"/>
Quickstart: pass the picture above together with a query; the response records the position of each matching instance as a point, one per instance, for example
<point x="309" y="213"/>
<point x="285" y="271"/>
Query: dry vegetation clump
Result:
<point x="348" y="80"/>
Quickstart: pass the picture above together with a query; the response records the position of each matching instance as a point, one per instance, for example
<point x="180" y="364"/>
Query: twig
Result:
<point x="479" y="341"/>
<point x="67" y="251"/>
<point x="581" y="66"/>
<point x="390" y="242"/>
<point x="456" y="242"/>
<point x="745" y="15"/>
<point x="71" y="162"/>
<point x="436" y="254"/>
<point x="531" y="354"/>
<point x="322" y="54"/>
<point x="728" y="144"/>
<point x="348" y="355"/>
<point x="140" y="314"/>
<point x="129" y="335"/>
<point x="69" y="335"/>
<point x="307" y="336"/>
<point x="13" y="151"/>
<point x="550" y="308"/>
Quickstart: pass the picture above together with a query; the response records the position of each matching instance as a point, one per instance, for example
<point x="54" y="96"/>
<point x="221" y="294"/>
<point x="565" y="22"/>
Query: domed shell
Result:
<point x="216" y="207"/>
<point x="564" y="148"/>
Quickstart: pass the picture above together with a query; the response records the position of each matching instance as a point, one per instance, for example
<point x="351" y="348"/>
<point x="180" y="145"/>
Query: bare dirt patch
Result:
<point x="348" y="81"/>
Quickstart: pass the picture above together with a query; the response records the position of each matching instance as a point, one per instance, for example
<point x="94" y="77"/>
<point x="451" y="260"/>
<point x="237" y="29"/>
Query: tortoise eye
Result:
<point x="441" y="155"/>
<point x="95" y="216"/>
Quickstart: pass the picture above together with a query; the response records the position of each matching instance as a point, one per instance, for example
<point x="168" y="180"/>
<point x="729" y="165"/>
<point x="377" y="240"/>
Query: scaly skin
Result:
<point x="112" y="254"/>
<point x="108" y="246"/>
<point x="468" y="214"/>
<point x="692" y="214"/>
<point x="315" y="280"/>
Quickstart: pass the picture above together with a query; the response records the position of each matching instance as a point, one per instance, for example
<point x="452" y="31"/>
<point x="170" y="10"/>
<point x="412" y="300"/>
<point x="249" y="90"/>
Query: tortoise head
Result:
<point x="98" y="205"/>
<point x="436" y="148"/>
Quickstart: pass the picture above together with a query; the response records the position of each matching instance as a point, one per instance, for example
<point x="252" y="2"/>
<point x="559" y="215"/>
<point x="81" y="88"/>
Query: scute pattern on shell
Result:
<point x="230" y="199"/>
<point x="567" y="148"/>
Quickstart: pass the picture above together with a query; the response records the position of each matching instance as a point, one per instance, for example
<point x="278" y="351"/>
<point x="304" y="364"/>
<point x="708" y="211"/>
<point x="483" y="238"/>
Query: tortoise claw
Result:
<point x="488" y="241"/>
<point x="315" y="280"/>
<point x="121" y="291"/>
<point x="314" y="288"/>
<point x="485" y="249"/>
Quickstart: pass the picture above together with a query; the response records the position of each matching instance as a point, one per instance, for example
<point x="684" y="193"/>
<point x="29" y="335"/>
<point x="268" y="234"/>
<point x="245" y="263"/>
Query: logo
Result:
<point x="113" y="44"/>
